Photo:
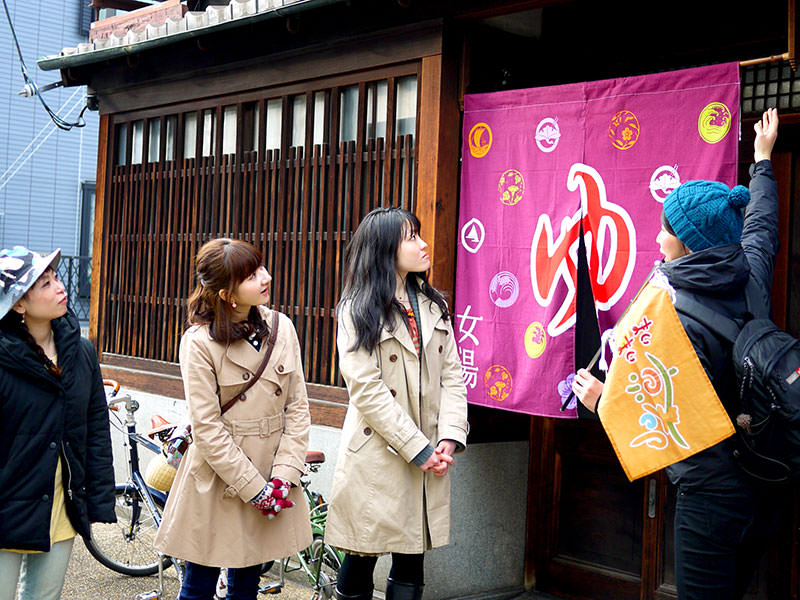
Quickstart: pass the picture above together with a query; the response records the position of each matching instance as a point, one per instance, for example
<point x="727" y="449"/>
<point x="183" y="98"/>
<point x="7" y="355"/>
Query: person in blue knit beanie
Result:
<point x="723" y="520"/>
<point x="704" y="214"/>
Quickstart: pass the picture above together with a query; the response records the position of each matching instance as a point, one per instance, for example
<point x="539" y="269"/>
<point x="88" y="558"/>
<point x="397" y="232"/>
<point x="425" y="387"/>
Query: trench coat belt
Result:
<point x="263" y="427"/>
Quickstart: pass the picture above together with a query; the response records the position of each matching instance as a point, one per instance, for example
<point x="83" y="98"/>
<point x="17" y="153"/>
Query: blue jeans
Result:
<point x="200" y="582"/>
<point x="40" y="574"/>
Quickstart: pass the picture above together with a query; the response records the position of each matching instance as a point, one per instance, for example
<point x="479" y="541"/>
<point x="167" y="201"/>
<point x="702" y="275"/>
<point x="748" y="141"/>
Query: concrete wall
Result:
<point x="489" y="494"/>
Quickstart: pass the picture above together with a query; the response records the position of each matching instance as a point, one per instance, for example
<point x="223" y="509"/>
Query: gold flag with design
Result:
<point x="658" y="405"/>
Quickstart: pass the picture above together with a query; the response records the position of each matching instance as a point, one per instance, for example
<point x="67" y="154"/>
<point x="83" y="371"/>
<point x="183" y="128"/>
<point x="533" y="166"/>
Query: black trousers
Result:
<point x="355" y="574"/>
<point x="719" y="539"/>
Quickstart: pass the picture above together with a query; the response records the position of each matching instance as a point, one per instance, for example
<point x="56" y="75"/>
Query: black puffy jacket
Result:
<point x="42" y="417"/>
<point x="716" y="277"/>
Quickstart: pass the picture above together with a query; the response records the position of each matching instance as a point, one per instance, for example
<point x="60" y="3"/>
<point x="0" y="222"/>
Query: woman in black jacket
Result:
<point x="710" y="253"/>
<point x="56" y="473"/>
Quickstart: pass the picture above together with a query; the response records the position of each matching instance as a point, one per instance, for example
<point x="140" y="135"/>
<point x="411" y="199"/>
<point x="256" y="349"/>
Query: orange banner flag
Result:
<point x="658" y="405"/>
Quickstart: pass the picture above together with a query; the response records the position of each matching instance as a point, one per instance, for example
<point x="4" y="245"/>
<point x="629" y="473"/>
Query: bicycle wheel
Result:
<point x="127" y="545"/>
<point x="329" y="571"/>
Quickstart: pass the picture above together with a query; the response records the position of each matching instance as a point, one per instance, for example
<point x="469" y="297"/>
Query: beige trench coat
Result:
<point x="208" y="518"/>
<point x="380" y="500"/>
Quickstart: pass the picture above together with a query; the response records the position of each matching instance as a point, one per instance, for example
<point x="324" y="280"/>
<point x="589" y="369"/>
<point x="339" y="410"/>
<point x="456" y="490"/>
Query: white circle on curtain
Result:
<point x="504" y="289"/>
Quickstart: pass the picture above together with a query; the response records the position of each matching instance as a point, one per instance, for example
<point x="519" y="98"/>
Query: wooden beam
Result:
<point x="104" y="154"/>
<point x="439" y="127"/>
<point x="192" y="77"/>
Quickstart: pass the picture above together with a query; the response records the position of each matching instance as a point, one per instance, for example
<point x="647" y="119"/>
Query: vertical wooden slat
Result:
<point x="389" y="198"/>
<point x="372" y="132"/>
<point x="125" y="227"/>
<point x="284" y="183"/>
<point x="397" y="169"/>
<point x="162" y="210"/>
<point x="332" y="228"/>
<point x="216" y="177"/>
<point x="358" y="208"/>
<point x="292" y="298"/>
<point x="409" y="156"/>
<point x="306" y="269"/>
<point x="321" y="278"/>
<point x="239" y="201"/>
<point x="141" y="331"/>
<point x="170" y="246"/>
<point x="260" y="166"/>
<point x="137" y="331"/>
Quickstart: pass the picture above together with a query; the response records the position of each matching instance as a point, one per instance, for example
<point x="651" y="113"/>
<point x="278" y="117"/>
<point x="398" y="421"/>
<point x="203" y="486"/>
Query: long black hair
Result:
<point x="370" y="276"/>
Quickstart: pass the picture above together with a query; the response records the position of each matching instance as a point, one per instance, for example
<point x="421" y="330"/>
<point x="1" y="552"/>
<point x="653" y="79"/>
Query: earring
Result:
<point x="233" y="303"/>
<point x="23" y="318"/>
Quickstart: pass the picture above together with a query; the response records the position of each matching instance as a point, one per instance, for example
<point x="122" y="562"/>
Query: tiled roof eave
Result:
<point x="88" y="57"/>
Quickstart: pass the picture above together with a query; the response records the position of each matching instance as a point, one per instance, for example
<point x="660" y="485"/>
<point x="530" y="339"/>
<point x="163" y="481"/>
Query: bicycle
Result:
<point x="319" y="562"/>
<point x="127" y="545"/>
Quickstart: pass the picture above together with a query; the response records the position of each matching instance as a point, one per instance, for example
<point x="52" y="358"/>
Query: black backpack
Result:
<point x="767" y="364"/>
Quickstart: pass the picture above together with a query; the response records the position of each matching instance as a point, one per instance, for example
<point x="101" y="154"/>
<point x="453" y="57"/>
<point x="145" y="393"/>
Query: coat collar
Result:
<point x="241" y="352"/>
<point x="398" y="332"/>
<point x="427" y="318"/>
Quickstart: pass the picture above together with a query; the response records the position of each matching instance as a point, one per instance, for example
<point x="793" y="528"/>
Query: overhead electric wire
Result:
<point x="60" y="122"/>
<point x="4" y="178"/>
<point x="49" y="125"/>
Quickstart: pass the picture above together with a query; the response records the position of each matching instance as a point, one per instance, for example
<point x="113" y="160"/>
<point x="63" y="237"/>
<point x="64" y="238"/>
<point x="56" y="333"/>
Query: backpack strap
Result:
<point x="721" y="325"/>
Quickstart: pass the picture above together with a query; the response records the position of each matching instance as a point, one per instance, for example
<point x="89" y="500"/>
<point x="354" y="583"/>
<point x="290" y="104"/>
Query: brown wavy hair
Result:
<point x="221" y="265"/>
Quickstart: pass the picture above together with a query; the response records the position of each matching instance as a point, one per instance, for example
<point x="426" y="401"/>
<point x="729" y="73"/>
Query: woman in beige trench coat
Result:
<point x="407" y="413"/>
<point x="224" y="506"/>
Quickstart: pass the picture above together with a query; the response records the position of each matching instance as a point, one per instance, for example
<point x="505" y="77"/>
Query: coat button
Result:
<point x="45" y="498"/>
<point x="393" y="358"/>
<point x="440" y="349"/>
<point x="242" y="397"/>
<point x="394" y="393"/>
<point x="245" y="376"/>
<point x="367" y="431"/>
<point x="52" y="445"/>
<point x="278" y="392"/>
<point x="279" y="369"/>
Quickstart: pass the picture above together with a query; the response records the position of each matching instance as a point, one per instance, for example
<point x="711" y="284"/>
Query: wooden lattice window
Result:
<point x="769" y="85"/>
<point x="292" y="170"/>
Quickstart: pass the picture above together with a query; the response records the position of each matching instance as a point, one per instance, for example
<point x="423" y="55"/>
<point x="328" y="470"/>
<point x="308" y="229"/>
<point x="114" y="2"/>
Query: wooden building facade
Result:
<point x="285" y="127"/>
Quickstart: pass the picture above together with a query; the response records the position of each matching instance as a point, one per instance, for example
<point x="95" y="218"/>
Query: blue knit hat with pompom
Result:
<point x="704" y="214"/>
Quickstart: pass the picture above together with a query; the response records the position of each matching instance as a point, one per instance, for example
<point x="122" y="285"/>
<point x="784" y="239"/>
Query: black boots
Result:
<point x="395" y="590"/>
<point x="364" y="596"/>
<point x="398" y="590"/>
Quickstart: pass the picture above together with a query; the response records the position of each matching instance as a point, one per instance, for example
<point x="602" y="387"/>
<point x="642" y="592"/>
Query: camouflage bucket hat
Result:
<point x="19" y="270"/>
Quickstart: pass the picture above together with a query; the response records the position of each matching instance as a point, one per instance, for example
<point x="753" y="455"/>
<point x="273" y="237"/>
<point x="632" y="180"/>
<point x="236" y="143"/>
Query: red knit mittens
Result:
<point x="272" y="499"/>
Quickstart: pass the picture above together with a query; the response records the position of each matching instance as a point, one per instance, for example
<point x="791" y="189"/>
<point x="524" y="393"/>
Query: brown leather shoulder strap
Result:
<point x="273" y="336"/>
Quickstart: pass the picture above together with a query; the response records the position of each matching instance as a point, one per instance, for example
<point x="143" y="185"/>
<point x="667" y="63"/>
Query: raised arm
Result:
<point x="760" y="232"/>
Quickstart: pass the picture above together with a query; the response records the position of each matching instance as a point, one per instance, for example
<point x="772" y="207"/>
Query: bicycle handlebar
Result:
<point x="112" y="383"/>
